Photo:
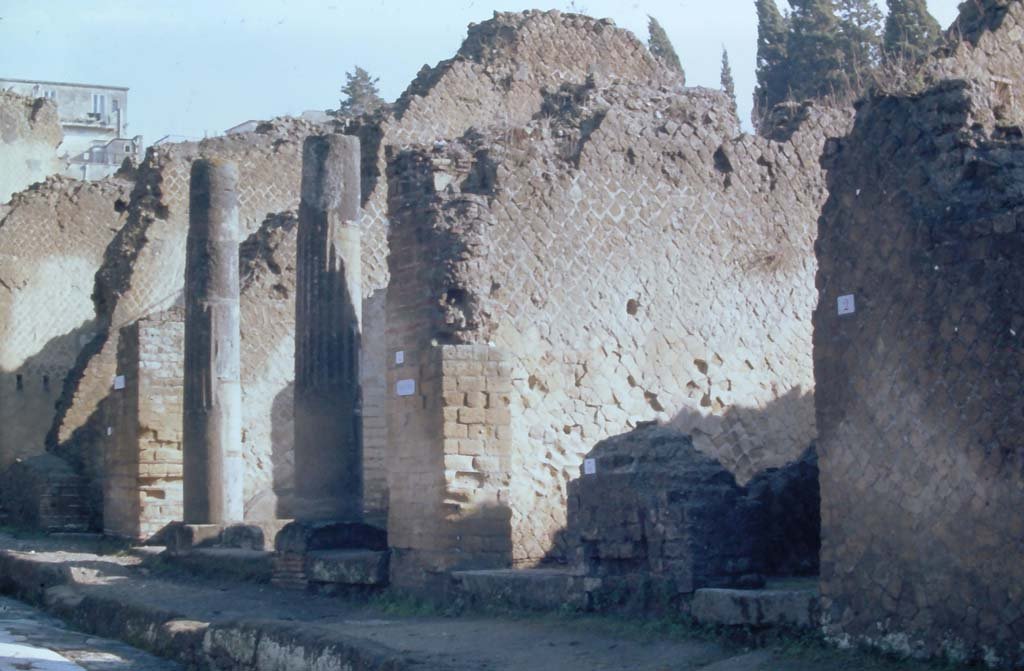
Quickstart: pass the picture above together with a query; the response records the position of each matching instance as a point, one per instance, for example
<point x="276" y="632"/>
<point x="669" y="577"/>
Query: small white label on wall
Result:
<point x="589" y="466"/>
<point x="399" y="357"/>
<point x="110" y="430"/>
<point x="119" y="382"/>
<point x="405" y="387"/>
<point x="847" y="305"/>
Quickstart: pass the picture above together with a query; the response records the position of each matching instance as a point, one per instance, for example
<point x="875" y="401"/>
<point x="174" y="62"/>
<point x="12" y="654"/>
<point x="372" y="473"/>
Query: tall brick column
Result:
<point x="328" y="307"/>
<point x="212" y="436"/>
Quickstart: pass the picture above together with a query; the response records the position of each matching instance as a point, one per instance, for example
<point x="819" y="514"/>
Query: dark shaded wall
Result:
<point x="920" y="391"/>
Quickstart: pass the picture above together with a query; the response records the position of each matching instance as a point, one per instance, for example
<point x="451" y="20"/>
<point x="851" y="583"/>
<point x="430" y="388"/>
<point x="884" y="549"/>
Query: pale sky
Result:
<point x="198" y="67"/>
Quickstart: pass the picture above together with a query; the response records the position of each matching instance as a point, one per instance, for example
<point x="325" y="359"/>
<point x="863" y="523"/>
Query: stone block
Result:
<point x="759" y="608"/>
<point x="302" y="537"/>
<point x="347" y="567"/>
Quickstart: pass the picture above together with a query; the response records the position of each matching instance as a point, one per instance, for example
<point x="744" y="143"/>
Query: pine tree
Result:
<point x="359" y="94"/>
<point x="772" y="75"/>
<point x="860" y="31"/>
<point x="662" y="48"/>
<point x="814" y="50"/>
<point x="911" y="33"/>
<point x="728" y="85"/>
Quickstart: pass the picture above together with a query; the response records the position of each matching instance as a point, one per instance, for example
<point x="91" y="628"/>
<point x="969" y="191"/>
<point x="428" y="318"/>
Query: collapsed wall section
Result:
<point x="53" y="239"/>
<point x="497" y="78"/>
<point x="631" y="260"/>
<point x="919" y="377"/>
<point x="986" y="49"/>
<point x="29" y="135"/>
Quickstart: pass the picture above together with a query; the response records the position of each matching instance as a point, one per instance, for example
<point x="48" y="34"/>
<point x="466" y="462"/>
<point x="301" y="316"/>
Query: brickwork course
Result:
<point x="919" y="403"/>
<point x="29" y="135"/>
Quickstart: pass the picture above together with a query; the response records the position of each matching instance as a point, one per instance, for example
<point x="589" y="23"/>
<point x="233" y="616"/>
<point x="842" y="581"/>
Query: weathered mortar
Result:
<point x="29" y="135"/>
<point x="919" y="399"/>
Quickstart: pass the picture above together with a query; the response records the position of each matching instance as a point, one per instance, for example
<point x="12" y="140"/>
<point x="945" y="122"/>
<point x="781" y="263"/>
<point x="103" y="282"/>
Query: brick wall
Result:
<point x="634" y="259"/>
<point x="143" y="467"/>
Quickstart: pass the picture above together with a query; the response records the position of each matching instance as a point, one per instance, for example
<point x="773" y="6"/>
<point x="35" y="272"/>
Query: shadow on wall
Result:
<point x="29" y="398"/>
<point x="29" y="394"/>
<point x="282" y="428"/>
<point x="659" y="517"/>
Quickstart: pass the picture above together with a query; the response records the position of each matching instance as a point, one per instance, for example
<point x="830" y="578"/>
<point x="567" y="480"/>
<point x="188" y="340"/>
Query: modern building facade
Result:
<point x="94" y="120"/>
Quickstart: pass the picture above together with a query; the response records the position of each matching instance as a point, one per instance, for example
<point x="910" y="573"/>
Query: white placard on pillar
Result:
<point x="405" y="387"/>
<point x="847" y="305"/>
<point x="399" y="357"/>
<point x="589" y="466"/>
<point x="119" y="382"/>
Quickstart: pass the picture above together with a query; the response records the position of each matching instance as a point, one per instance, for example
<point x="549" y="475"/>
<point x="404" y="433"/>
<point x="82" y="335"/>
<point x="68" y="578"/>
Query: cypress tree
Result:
<point x="360" y="94"/>
<point x="662" y="48"/>
<point x="728" y="84"/>
<point x="814" y="49"/>
<point x="772" y="65"/>
<point x="911" y="33"/>
<point x="860" y="31"/>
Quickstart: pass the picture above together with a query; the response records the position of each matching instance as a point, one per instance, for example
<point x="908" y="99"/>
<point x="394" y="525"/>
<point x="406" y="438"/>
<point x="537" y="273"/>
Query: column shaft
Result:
<point x="212" y="436"/>
<point x="328" y="313"/>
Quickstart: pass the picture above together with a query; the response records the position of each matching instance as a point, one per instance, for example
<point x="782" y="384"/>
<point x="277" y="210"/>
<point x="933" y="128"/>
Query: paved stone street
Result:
<point x="33" y="641"/>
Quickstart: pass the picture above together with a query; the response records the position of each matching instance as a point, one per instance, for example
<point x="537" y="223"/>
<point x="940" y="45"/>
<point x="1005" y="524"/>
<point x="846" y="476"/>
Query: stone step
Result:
<point x="793" y="604"/>
<point x="533" y="589"/>
<point x="347" y="567"/>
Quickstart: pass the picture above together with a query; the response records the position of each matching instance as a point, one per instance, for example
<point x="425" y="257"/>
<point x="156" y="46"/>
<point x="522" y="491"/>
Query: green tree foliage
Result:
<point x="814" y="50"/>
<point x="662" y="48"/>
<point x="911" y="33"/>
<point x="772" y="63"/>
<point x="728" y="84"/>
<point x="860" y="32"/>
<point x="359" y="94"/>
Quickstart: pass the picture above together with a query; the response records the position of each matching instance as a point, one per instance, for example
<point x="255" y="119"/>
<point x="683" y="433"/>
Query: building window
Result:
<point x="19" y="384"/>
<point x="99" y="104"/>
<point x="46" y="383"/>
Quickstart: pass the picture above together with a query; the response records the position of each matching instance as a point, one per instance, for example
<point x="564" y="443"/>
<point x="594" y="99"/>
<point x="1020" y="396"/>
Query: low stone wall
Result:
<point x="656" y="519"/>
<point x="44" y="492"/>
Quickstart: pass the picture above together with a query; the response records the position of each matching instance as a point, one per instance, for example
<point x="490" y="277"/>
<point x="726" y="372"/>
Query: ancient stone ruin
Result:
<point x="554" y="320"/>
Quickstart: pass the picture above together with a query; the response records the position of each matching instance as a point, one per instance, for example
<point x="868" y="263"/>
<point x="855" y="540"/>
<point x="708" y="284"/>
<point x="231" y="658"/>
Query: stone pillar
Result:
<point x="328" y="308"/>
<point x="212" y="436"/>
